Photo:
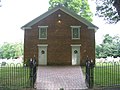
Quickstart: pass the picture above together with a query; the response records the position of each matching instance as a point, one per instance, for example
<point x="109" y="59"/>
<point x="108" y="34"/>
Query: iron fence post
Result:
<point x="89" y="73"/>
<point x="32" y="71"/>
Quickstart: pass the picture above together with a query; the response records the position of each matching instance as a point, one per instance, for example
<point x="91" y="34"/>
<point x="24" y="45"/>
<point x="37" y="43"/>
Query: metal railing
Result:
<point x="17" y="76"/>
<point x="107" y="74"/>
<point x="102" y="74"/>
<point x="14" y="76"/>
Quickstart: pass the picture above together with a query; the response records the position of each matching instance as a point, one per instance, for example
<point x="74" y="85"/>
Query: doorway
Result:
<point x="42" y="55"/>
<point x="75" y="55"/>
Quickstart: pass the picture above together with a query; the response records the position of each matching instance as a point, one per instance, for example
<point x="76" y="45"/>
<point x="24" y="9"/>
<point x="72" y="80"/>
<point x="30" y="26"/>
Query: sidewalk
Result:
<point x="60" y="78"/>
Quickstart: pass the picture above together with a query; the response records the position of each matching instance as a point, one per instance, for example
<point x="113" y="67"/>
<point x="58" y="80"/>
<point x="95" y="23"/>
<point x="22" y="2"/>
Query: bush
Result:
<point x="27" y="62"/>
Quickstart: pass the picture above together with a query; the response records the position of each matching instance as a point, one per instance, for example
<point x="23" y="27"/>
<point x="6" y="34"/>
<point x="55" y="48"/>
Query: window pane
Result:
<point x="75" y="33"/>
<point x="43" y="33"/>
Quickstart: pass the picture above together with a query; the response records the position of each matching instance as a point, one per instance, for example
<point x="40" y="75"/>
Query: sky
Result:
<point x="16" y="13"/>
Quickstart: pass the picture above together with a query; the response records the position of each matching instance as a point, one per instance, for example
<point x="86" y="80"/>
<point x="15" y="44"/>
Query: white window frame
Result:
<point x="40" y="31"/>
<point x="78" y="27"/>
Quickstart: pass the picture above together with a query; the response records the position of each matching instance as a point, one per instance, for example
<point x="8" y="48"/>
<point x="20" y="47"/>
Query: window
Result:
<point x="43" y="32"/>
<point x="75" y="32"/>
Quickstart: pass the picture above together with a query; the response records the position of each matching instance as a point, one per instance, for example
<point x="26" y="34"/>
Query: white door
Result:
<point x="42" y="55"/>
<point x="75" y="55"/>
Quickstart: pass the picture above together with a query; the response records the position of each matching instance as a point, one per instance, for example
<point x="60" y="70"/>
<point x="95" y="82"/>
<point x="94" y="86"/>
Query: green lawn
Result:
<point x="14" y="77"/>
<point x="106" y="74"/>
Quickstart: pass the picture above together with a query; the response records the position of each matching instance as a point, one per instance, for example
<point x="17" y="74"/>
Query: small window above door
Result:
<point x="43" y="32"/>
<point x="75" y="32"/>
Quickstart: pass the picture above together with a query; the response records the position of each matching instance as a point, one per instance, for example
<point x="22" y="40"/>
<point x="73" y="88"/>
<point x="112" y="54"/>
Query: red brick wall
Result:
<point x="59" y="40"/>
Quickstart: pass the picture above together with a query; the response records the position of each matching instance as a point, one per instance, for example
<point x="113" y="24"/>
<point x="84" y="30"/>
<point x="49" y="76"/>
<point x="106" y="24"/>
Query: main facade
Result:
<point x="59" y="37"/>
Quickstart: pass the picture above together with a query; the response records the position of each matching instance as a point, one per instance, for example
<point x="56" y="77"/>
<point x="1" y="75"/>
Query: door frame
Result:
<point x="77" y="46"/>
<point x="42" y="46"/>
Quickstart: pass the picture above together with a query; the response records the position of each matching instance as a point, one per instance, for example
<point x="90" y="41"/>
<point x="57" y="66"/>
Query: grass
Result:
<point x="106" y="74"/>
<point x="83" y="69"/>
<point x="14" y="77"/>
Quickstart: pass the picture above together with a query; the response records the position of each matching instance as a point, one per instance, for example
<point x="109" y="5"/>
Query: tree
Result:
<point x="109" y="10"/>
<point x="11" y="50"/>
<point x="98" y="51"/>
<point x="107" y="39"/>
<point x="116" y="4"/>
<point x="0" y="4"/>
<point x="116" y="41"/>
<point x="81" y="7"/>
<point x="109" y="47"/>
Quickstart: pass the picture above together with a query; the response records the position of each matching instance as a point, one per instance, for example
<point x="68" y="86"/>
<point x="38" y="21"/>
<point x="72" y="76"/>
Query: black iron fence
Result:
<point x="17" y="76"/>
<point x="107" y="74"/>
<point x="103" y="75"/>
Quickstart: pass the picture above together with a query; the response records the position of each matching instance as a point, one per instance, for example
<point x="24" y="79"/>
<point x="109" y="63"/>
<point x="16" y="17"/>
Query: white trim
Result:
<point x="75" y="26"/>
<point x="42" y="45"/>
<point x="92" y="28"/>
<point x="75" y="45"/>
<point x="43" y="26"/>
<point x="95" y="29"/>
<point x="26" y="28"/>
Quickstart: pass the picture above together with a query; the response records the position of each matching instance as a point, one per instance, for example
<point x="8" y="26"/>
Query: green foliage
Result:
<point x="81" y="7"/>
<point x="105" y="9"/>
<point x="27" y="62"/>
<point x="109" y="47"/>
<point x="11" y="50"/>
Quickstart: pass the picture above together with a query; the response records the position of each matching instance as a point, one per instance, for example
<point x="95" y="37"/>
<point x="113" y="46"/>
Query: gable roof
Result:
<point x="64" y="9"/>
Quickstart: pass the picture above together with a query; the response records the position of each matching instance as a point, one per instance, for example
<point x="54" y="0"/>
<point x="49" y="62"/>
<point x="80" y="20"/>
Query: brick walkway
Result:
<point x="56" y="77"/>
